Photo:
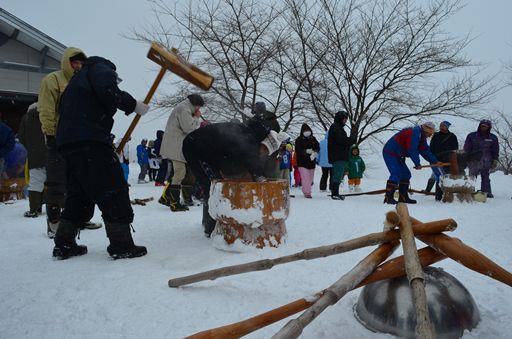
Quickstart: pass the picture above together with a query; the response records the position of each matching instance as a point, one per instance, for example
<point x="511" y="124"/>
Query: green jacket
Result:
<point x="52" y="87"/>
<point x="355" y="165"/>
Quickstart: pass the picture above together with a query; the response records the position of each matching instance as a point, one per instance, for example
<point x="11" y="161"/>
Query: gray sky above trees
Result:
<point x="98" y="28"/>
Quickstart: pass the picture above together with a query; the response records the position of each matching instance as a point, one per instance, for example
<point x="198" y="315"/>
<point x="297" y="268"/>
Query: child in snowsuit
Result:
<point x="355" y="168"/>
<point x="285" y="163"/>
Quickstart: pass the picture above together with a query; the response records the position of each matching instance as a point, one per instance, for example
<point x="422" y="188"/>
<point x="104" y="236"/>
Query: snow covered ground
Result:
<point x="95" y="297"/>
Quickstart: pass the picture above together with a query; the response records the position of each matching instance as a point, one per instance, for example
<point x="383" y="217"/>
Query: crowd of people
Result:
<point x="72" y="155"/>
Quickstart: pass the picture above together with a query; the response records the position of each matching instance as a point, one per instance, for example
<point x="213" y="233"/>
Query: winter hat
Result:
<point x="78" y="56"/>
<point x="486" y="122"/>
<point x="446" y="123"/>
<point x="259" y="108"/>
<point x="429" y="125"/>
<point x="272" y="142"/>
<point x="196" y="100"/>
<point x="340" y="115"/>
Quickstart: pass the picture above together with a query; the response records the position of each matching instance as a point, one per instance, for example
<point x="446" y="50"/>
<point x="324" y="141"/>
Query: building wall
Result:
<point x="23" y="81"/>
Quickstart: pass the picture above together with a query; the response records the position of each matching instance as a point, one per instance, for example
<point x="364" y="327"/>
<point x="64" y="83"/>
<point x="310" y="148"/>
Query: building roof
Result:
<point x="17" y="29"/>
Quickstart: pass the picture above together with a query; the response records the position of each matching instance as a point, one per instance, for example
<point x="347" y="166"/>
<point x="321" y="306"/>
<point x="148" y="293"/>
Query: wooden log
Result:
<point x="337" y="290"/>
<point x="466" y="255"/>
<point x="314" y="253"/>
<point x="392" y="268"/>
<point x="136" y="119"/>
<point x="424" y="328"/>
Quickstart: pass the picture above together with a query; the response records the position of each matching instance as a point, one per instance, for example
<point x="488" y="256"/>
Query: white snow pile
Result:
<point x="93" y="296"/>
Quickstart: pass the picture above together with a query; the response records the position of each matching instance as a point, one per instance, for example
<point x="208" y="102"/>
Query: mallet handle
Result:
<point x="136" y="119"/>
<point x="443" y="164"/>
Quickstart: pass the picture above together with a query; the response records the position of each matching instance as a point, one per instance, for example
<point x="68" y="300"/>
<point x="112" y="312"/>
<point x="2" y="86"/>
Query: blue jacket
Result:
<point x="142" y="155"/>
<point x="6" y="139"/>
<point x="323" y="154"/>
<point x="410" y="142"/>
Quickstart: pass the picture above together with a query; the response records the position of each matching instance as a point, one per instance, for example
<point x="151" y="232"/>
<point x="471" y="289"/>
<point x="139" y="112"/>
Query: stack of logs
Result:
<point x="369" y="270"/>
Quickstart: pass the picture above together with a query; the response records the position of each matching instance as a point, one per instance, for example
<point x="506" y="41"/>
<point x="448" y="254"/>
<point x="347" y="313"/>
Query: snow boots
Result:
<point x="174" y="201"/>
<point x="65" y="244"/>
<point x="430" y="184"/>
<point x="208" y="222"/>
<point x="35" y="200"/>
<point x="336" y="192"/>
<point x="186" y="191"/>
<point x="439" y="193"/>
<point x="165" y="198"/>
<point x="121" y="242"/>
<point x="391" y="187"/>
<point x="403" y="189"/>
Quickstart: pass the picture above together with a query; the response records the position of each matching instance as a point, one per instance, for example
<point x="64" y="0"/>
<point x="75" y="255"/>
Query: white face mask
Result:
<point x="307" y="134"/>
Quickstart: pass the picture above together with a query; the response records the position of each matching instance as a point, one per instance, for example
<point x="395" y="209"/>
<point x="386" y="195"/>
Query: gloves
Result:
<point x="417" y="167"/>
<point x="309" y="151"/>
<point x="141" y="108"/>
<point x="313" y="156"/>
<point x="51" y="143"/>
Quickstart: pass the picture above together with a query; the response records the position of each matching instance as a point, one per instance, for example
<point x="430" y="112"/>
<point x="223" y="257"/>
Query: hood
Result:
<point x="485" y="122"/>
<point x="99" y="60"/>
<point x="305" y="127"/>
<point x="159" y="134"/>
<point x="353" y="147"/>
<point x="65" y="65"/>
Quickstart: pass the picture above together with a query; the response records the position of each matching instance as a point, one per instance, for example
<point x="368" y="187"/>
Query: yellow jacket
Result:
<point x="52" y="87"/>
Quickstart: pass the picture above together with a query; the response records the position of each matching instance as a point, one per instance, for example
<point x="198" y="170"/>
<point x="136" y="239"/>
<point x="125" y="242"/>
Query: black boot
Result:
<point x="403" y="189"/>
<point x="121" y="242"/>
<point x="439" y="193"/>
<point x="65" y="244"/>
<point x="166" y="197"/>
<point x="174" y="193"/>
<point x="335" y="192"/>
<point x="430" y="184"/>
<point x="34" y="200"/>
<point x="208" y="222"/>
<point x="391" y="187"/>
<point x="186" y="191"/>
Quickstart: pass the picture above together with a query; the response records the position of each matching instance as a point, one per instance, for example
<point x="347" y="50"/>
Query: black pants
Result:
<point x="95" y="177"/>
<point x="162" y="171"/>
<point x="326" y="173"/>
<point x="55" y="184"/>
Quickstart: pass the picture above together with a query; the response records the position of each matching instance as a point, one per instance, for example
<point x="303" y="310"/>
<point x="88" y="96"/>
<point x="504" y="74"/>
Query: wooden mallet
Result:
<point x="169" y="60"/>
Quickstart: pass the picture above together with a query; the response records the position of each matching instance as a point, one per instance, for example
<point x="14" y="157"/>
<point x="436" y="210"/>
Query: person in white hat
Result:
<point x="410" y="143"/>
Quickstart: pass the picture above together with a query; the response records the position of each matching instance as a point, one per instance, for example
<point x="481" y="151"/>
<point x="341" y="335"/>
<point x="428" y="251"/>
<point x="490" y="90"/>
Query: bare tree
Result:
<point x="233" y="40"/>
<point x="502" y="127"/>
<point x="387" y="63"/>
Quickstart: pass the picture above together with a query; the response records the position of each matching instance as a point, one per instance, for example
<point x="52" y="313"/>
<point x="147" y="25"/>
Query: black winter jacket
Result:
<point x="31" y="136"/>
<point x="230" y="148"/>
<point x="338" y="143"/>
<point x="302" y="144"/>
<point x="441" y="145"/>
<point x="89" y="103"/>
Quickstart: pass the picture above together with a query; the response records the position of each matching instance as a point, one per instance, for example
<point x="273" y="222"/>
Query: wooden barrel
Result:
<point x="252" y="212"/>
<point x="461" y="186"/>
<point x="11" y="188"/>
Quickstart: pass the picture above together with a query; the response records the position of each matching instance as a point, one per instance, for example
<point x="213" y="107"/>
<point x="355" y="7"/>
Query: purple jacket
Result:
<point x="485" y="142"/>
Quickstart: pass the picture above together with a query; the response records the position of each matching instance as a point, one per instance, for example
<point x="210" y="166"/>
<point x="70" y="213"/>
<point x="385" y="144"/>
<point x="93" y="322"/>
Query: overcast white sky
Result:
<point x="98" y="28"/>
